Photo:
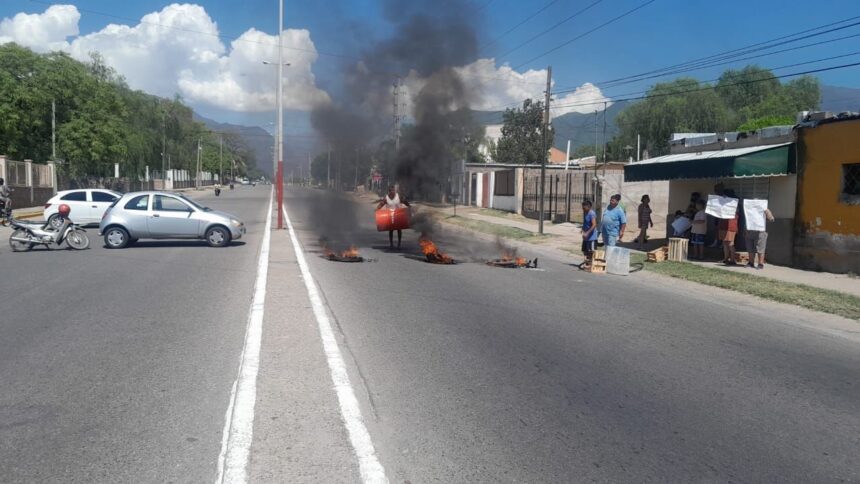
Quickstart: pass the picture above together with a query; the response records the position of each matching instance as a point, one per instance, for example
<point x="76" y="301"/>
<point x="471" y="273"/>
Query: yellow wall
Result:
<point x="823" y="151"/>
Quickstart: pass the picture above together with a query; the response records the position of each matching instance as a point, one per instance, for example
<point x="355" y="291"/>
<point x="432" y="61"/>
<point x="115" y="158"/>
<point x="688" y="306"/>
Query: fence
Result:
<point x="32" y="183"/>
<point x="563" y="195"/>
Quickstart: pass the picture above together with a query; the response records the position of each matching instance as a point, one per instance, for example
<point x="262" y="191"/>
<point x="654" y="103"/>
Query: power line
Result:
<point x="558" y="24"/>
<point x="551" y="3"/>
<point x="608" y="22"/>
<point x="705" y="88"/>
<point x="736" y="51"/>
<point x="680" y="71"/>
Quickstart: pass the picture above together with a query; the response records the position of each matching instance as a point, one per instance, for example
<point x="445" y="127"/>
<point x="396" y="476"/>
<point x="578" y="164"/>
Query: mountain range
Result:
<point x="580" y="128"/>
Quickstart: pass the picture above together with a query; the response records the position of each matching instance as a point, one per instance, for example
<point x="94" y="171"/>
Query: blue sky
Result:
<point x="662" y="33"/>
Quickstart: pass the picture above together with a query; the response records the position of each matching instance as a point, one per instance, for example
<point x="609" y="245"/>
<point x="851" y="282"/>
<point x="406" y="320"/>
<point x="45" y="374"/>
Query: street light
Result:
<point x="280" y="139"/>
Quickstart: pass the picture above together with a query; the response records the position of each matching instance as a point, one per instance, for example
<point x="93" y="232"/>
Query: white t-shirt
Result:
<point x="701" y="228"/>
<point x="392" y="203"/>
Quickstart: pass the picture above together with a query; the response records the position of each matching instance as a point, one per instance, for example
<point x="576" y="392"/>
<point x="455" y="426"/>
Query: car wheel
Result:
<point x="54" y="222"/>
<point x="116" y="238"/>
<point x="217" y="236"/>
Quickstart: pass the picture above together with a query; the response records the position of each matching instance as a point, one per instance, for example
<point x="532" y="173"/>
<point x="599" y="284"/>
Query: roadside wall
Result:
<point x="828" y="221"/>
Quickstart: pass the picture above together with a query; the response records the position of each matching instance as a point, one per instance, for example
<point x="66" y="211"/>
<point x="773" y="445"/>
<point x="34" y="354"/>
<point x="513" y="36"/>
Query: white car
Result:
<point x="88" y="205"/>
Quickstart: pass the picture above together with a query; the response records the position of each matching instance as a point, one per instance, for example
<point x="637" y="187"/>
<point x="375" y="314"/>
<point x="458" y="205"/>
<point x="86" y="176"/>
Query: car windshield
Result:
<point x="195" y="204"/>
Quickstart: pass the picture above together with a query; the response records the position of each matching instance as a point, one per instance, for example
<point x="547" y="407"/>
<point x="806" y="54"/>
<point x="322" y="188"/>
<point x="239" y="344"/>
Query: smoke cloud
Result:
<point x="430" y="40"/>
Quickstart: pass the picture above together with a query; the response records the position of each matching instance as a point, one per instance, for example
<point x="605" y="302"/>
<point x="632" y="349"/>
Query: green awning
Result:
<point x="770" y="160"/>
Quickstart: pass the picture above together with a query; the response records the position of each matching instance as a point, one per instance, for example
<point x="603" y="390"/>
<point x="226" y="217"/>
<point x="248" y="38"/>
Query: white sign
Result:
<point x="722" y="207"/>
<point x="754" y="213"/>
<point x="681" y="225"/>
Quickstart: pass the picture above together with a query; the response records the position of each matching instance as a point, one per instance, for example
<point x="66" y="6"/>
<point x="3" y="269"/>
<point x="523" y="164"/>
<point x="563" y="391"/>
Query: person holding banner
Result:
<point x="757" y="216"/>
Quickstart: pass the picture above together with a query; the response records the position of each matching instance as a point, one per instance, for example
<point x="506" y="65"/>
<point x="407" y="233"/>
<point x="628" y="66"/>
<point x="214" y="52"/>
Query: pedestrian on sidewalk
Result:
<point x="614" y="222"/>
<point x="698" y="231"/>
<point x="392" y="201"/>
<point x="720" y="191"/>
<point x="757" y="243"/>
<point x="727" y="232"/>
<point x="589" y="231"/>
<point x="644" y="220"/>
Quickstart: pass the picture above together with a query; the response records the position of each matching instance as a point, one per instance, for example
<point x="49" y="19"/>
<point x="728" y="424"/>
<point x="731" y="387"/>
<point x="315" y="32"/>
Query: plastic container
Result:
<point x="392" y="219"/>
<point x="618" y="260"/>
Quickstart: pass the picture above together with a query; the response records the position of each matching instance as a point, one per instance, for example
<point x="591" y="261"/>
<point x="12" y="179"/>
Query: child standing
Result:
<point x="698" y="231"/>
<point x="644" y="220"/>
<point x="589" y="231"/>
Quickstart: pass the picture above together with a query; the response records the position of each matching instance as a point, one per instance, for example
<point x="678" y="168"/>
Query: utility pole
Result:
<point x="280" y="168"/>
<point x="221" y="159"/>
<point x="53" y="130"/>
<point x="638" y="146"/>
<point x="328" y="169"/>
<point x="397" y="83"/>
<point x="310" y="175"/>
<point x="604" y="138"/>
<point x="163" y="143"/>
<point x="355" y="183"/>
<point x="545" y="148"/>
<point x="199" y="150"/>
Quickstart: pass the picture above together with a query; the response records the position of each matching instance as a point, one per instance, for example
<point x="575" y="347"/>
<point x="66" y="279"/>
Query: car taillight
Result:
<point x="47" y="205"/>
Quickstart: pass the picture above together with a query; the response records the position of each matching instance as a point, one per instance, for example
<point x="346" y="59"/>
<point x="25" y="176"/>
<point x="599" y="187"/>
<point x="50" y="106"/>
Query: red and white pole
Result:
<point x="280" y="137"/>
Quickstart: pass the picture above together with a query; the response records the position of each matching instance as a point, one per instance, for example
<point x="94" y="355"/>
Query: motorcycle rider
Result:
<point x="5" y="195"/>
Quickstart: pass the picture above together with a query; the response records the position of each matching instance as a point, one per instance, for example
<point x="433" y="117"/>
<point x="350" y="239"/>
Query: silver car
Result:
<point x="164" y="215"/>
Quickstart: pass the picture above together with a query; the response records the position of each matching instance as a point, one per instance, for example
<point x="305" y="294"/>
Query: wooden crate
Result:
<point x="658" y="255"/>
<point x="598" y="262"/>
<point x="742" y="257"/>
<point x="678" y="249"/>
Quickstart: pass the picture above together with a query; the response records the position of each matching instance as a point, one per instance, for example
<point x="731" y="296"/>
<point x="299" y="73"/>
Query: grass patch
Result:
<point x="492" y="212"/>
<point x="503" y="231"/>
<point x="824" y="300"/>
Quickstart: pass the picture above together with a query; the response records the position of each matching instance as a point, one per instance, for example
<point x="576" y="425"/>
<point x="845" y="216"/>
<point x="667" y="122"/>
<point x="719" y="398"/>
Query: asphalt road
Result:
<point x="478" y="374"/>
<point x="117" y="366"/>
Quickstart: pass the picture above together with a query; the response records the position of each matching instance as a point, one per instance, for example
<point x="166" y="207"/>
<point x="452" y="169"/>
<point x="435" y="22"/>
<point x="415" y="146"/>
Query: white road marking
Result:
<point x="239" y="420"/>
<point x="371" y="469"/>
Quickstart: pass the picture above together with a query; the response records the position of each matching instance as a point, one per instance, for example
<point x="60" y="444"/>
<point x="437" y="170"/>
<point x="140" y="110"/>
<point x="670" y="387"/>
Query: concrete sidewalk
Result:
<point x="570" y="238"/>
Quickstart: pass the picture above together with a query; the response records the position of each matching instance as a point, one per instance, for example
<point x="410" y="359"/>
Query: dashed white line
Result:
<point x="238" y="430"/>
<point x="369" y="466"/>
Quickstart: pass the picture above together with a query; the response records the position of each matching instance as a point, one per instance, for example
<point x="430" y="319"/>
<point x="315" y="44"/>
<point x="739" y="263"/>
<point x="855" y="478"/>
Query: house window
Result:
<point x="851" y="183"/>
<point x="753" y="187"/>
<point x="504" y="185"/>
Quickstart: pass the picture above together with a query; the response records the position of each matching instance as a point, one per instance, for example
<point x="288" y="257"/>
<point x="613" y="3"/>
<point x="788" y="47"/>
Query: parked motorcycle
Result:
<point x="26" y="235"/>
<point x="217" y="191"/>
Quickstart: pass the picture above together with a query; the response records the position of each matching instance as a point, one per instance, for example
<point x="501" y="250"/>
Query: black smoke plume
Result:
<point x="430" y="39"/>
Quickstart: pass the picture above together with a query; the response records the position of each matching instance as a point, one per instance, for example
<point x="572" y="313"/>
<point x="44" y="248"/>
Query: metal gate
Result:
<point x="563" y="195"/>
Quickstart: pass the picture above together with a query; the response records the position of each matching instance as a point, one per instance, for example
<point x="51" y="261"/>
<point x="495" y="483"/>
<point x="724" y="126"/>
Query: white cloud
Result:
<point x="496" y="88"/>
<point x="42" y="32"/>
<point x="178" y="50"/>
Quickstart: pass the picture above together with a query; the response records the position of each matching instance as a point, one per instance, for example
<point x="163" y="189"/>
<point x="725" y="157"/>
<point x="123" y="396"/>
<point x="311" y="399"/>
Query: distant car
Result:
<point x="164" y="215"/>
<point x="88" y="205"/>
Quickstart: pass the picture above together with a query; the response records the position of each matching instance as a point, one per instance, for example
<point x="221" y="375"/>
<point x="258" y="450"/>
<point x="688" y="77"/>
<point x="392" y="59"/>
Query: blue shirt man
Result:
<point x="614" y="222"/>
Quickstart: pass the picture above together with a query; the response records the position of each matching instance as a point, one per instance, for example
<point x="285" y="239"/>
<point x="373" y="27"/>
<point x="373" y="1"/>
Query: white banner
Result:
<point x="754" y="213"/>
<point x="722" y="207"/>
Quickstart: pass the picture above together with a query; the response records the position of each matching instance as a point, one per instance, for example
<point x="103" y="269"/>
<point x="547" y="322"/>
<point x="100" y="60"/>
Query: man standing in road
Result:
<point x="392" y="201"/>
<point x="614" y="222"/>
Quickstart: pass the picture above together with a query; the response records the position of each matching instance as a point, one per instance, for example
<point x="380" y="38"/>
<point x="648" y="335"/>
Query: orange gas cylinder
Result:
<point x="392" y="219"/>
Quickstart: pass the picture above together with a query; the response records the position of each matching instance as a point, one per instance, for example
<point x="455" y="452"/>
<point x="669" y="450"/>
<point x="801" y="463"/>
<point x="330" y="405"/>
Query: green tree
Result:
<point x="522" y="135"/>
<point x="683" y="105"/>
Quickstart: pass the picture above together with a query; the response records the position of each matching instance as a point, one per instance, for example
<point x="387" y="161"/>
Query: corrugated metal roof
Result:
<point x="705" y="155"/>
